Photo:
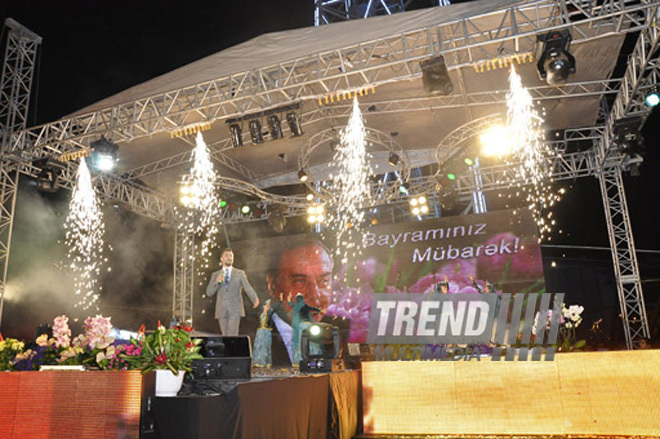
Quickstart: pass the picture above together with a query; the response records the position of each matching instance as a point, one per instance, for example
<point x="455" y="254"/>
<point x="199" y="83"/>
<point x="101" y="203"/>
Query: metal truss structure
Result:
<point x="331" y="11"/>
<point x="15" y="85"/>
<point x="184" y="276"/>
<point x="463" y="42"/>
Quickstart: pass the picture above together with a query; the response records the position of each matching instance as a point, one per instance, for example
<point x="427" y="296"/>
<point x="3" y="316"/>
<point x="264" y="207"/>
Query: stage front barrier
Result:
<point x="589" y="393"/>
<point x="75" y="405"/>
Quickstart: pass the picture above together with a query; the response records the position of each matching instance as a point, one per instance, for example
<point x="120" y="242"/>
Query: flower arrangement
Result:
<point x="569" y="320"/>
<point x="9" y="348"/>
<point x="172" y="349"/>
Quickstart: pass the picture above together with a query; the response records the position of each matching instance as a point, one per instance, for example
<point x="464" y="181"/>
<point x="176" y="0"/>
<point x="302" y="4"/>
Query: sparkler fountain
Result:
<point x="351" y="186"/>
<point x="84" y="238"/>
<point x="200" y="197"/>
<point x="529" y="153"/>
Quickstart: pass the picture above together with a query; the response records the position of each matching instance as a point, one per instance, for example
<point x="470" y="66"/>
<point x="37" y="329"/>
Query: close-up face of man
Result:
<point x="227" y="258"/>
<point x="306" y="270"/>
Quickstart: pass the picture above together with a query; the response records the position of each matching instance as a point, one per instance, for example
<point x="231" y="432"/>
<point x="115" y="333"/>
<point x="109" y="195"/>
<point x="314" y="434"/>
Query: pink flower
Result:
<point x="61" y="331"/>
<point x="97" y="332"/>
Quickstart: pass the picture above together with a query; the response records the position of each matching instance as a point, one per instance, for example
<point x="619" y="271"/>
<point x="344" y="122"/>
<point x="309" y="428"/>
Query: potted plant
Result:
<point x="168" y="351"/>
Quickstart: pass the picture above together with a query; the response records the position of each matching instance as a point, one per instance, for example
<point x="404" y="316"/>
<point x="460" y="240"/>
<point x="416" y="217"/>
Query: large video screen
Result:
<point x="470" y="253"/>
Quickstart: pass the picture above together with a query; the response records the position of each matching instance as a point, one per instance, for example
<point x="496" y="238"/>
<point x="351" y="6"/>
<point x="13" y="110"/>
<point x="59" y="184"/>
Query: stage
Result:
<point x="578" y="395"/>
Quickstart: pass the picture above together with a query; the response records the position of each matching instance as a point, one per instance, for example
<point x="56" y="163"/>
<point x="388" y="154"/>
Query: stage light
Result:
<point x="245" y="209"/>
<point x="309" y="196"/>
<point x="302" y="175"/>
<point x="236" y="135"/>
<point x="316" y="214"/>
<point x="468" y="161"/>
<point x="451" y="177"/>
<point x="293" y="121"/>
<point x="627" y="135"/>
<point x="394" y="159"/>
<point x="274" y="127"/>
<point x="435" y="76"/>
<point x="255" y="132"/>
<point x="404" y="188"/>
<point x="555" y="62"/>
<point x="320" y="347"/>
<point x="223" y="203"/>
<point x="419" y="205"/>
<point x="276" y="218"/>
<point x="104" y="157"/>
<point x="496" y="141"/>
<point x="652" y="99"/>
<point x="48" y="179"/>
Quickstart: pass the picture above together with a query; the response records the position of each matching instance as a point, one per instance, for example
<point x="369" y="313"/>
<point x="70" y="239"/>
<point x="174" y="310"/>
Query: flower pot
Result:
<point x="168" y="384"/>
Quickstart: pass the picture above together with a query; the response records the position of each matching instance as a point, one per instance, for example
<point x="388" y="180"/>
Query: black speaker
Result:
<point x="225" y="358"/>
<point x="436" y="77"/>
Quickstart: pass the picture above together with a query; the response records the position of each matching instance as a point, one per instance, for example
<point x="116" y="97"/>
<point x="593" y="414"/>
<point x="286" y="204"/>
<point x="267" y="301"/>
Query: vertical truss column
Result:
<point x="15" y="85"/>
<point x="184" y="276"/>
<point x="626" y="270"/>
<point x="641" y="73"/>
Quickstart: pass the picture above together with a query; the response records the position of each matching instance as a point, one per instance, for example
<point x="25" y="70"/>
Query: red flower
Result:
<point x="188" y="328"/>
<point x="177" y="340"/>
<point x="161" y="359"/>
<point x="190" y="345"/>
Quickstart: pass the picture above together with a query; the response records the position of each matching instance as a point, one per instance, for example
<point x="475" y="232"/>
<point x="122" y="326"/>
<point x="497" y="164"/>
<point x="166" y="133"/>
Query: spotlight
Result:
<point x="104" y="157"/>
<point x="236" y="135"/>
<point x="293" y="121"/>
<point x="245" y="209"/>
<point x="275" y="127"/>
<point x="255" y="132"/>
<point x="49" y="176"/>
<point x="302" y="175"/>
<point x="316" y="214"/>
<point x="276" y="218"/>
<point x="555" y="62"/>
<point x="627" y="136"/>
<point x="394" y="159"/>
<point x="468" y="161"/>
<point x="320" y="347"/>
<point x="496" y="141"/>
<point x="309" y="196"/>
<point x="652" y="99"/>
<point x="419" y="205"/>
<point x="435" y="76"/>
<point x="404" y="188"/>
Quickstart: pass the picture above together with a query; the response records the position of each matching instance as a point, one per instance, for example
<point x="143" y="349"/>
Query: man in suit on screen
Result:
<point x="227" y="284"/>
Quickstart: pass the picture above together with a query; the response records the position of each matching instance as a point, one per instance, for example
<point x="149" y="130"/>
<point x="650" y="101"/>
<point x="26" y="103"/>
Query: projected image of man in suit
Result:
<point x="227" y="284"/>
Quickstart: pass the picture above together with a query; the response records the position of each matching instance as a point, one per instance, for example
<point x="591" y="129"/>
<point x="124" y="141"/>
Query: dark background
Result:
<point x="92" y="50"/>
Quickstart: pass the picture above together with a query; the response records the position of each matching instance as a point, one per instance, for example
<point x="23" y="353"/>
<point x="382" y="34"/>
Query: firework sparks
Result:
<point x="84" y="237"/>
<point x="530" y="153"/>
<point x="352" y="186"/>
<point x="200" y="197"/>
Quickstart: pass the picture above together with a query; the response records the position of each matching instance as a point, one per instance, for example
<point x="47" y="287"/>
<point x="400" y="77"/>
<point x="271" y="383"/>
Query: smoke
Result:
<point x="137" y="290"/>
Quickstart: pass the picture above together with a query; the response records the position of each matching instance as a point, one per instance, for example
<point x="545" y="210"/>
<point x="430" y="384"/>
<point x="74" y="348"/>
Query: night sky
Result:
<point x="92" y="50"/>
